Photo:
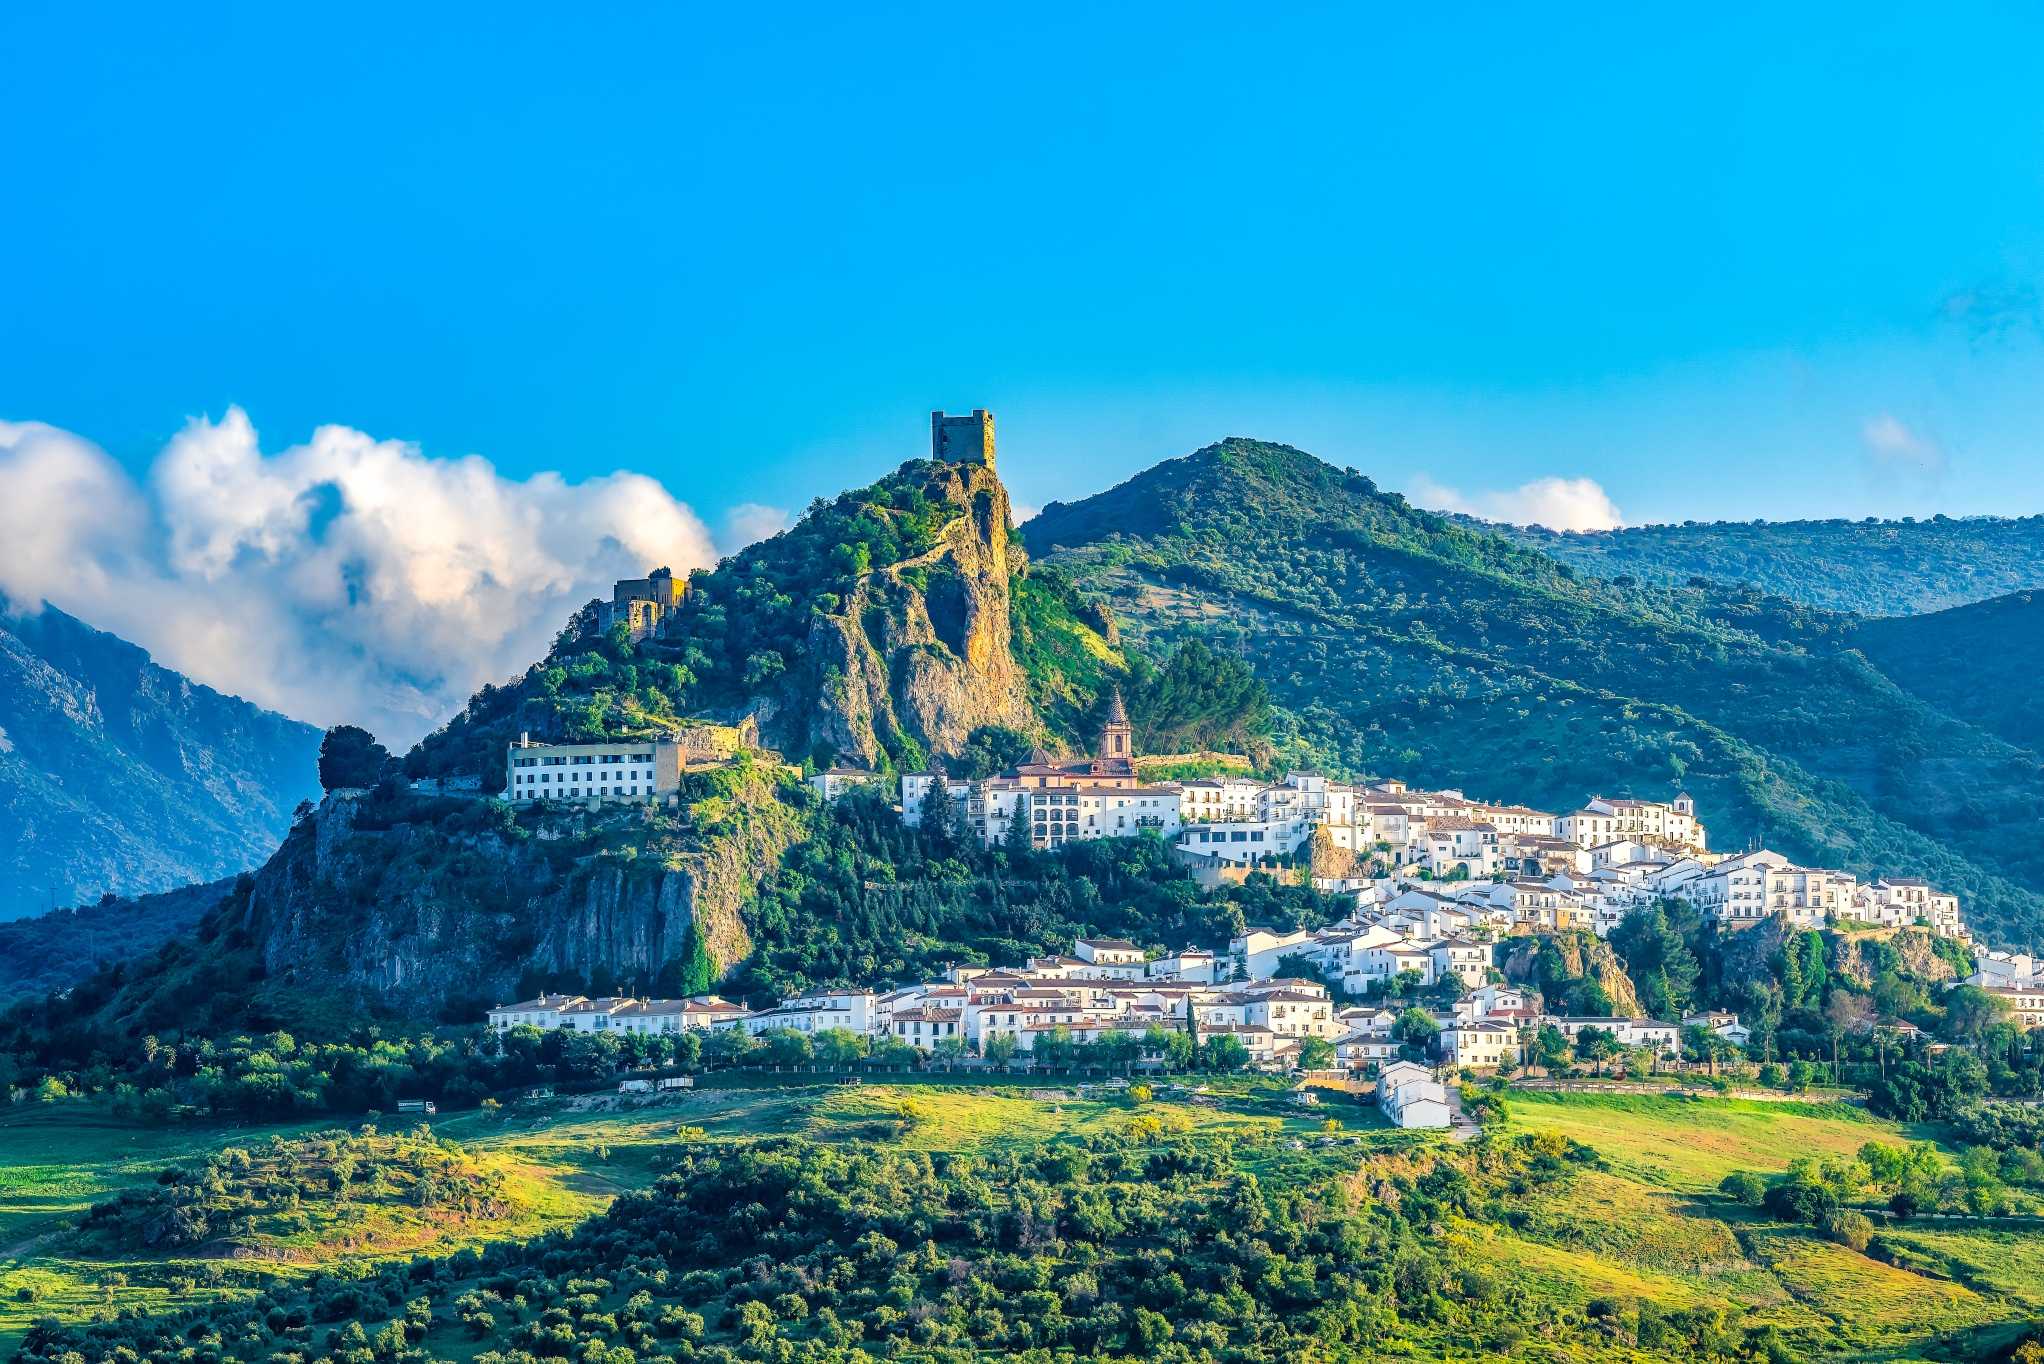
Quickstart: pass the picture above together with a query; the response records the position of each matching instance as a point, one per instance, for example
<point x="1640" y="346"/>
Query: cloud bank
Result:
<point x="347" y="579"/>
<point x="1556" y="503"/>
<point x="1894" y="447"/>
<point x="750" y="522"/>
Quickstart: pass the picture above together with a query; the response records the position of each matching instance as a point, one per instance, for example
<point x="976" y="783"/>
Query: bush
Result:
<point x="1848" y="1228"/>
<point x="1743" y="1186"/>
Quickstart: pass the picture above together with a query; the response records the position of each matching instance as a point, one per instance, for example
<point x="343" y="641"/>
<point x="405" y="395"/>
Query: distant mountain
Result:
<point x="1405" y="644"/>
<point x="1980" y="662"/>
<point x="120" y="775"/>
<point x="1871" y="568"/>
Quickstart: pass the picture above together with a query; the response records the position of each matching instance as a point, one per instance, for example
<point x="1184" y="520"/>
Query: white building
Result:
<point x="1722" y="1022"/>
<point x="915" y="794"/>
<point x="1115" y="957"/>
<point x="1207" y="799"/>
<point x="598" y="773"/>
<point x="1603" y="820"/>
<point x="1255" y="953"/>
<point x="1478" y="1045"/>
<point x="1665" y="1038"/>
<point x="1245" y="842"/>
<point x="1903" y="900"/>
<point x="1464" y="958"/>
<point x="833" y="782"/>
<point x="1410" y="1096"/>
<point x="621" y="1014"/>
<point x="851" y="1010"/>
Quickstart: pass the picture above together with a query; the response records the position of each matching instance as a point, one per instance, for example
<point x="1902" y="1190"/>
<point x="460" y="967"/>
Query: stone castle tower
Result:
<point x="963" y="440"/>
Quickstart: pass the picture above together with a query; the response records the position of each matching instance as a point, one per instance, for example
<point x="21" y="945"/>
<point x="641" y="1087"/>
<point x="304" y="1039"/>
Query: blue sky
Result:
<point x="1779" y="262"/>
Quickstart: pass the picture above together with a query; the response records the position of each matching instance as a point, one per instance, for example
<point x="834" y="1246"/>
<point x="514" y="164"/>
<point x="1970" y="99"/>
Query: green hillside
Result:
<point x="1872" y="568"/>
<point x="1401" y="643"/>
<point x="57" y="950"/>
<point x="953" y="1224"/>
<point x="880" y="629"/>
<point x="1981" y="663"/>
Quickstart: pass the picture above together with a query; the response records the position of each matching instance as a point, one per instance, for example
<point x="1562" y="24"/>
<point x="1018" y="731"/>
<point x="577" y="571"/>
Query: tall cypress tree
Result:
<point x="699" y="969"/>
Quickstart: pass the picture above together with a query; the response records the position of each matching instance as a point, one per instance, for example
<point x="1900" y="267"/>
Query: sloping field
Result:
<point x="1690" y="1144"/>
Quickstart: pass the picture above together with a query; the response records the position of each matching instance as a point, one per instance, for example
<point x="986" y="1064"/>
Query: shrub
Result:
<point x="1743" y="1186"/>
<point x="1848" y="1228"/>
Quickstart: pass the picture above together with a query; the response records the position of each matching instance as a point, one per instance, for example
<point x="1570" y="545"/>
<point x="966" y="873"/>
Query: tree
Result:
<point x="1970" y="1012"/>
<point x="350" y="758"/>
<point x="1224" y="1052"/>
<point x="1698" y="1045"/>
<point x="785" y="1047"/>
<point x="1848" y="1014"/>
<point x="1850" y="1229"/>
<point x="697" y="971"/>
<point x="937" y="812"/>
<point x="1172" y="1046"/>
<point x="729" y="1045"/>
<point x="1416" y="1029"/>
<point x="838" y="1046"/>
<point x="1000" y="1048"/>
<point x="1744" y="1186"/>
<point x="1315" y="1053"/>
<point x="688" y="1049"/>
<point x="1597" y="1045"/>
<point x="1118" y="1048"/>
<point x="1658" y="956"/>
<point x="991" y="749"/>
<point x="591" y="1057"/>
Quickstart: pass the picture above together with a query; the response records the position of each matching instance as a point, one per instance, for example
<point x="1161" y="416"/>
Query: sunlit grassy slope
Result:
<point x="1648" y="1228"/>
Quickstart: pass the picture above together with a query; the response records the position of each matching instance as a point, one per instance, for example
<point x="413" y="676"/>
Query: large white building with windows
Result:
<point x="623" y="770"/>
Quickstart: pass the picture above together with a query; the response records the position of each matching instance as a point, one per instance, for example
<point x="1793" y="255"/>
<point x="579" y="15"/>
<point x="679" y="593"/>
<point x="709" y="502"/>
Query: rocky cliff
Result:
<point x="1748" y="953"/>
<point x="1555" y="963"/>
<point x="920" y="652"/>
<point x="436" y="909"/>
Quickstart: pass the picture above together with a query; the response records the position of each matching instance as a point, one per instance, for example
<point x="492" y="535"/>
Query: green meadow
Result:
<point x="1648" y="1227"/>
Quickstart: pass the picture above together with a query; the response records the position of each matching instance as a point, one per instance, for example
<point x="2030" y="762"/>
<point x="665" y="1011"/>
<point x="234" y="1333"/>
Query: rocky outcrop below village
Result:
<point x="1542" y="960"/>
<point x="920" y="651"/>
<point x="442" y="908"/>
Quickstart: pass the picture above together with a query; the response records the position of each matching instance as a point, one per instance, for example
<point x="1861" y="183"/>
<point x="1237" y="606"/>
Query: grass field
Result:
<point x="1691" y="1144"/>
<point x="1653" y="1227"/>
<point x="1649" y="1227"/>
<point x="559" y="1163"/>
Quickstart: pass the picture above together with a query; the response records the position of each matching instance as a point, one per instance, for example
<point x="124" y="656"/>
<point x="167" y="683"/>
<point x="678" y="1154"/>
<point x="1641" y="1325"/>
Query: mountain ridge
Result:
<point x="1869" y="567"/>
<point x="1396" y="641"/>
<point x="120" y="775"/>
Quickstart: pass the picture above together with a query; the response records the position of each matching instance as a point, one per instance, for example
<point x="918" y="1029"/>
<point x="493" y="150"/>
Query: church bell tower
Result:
<point x="1117" y="736"/>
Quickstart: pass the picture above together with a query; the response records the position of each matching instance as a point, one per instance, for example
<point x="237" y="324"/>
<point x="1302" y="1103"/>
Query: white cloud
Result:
<point x="1894" y="447"/>
<point x="345" y="579"/>
<point x="750" y="522"/>
<point x="1556" y="503"/>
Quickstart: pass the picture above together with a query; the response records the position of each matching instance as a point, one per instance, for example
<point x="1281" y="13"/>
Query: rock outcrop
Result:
<point x="919" y="653"/>
<point x="431" y="918"/>
<point x="1551" y="963"/>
